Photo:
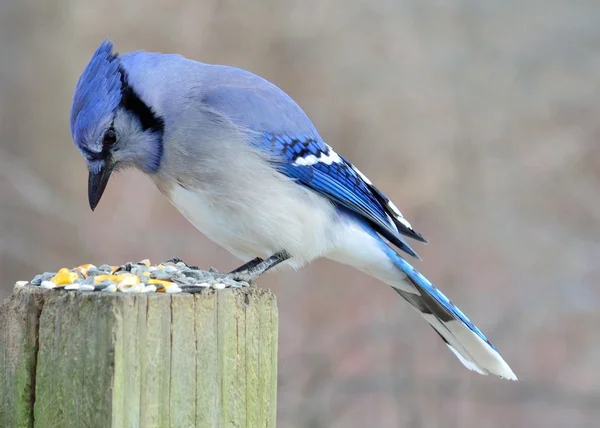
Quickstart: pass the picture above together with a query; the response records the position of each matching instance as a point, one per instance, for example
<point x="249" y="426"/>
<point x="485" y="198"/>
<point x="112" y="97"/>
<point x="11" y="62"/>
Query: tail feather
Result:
<point x="463" y="338"/>
<point x="360" y="246"/>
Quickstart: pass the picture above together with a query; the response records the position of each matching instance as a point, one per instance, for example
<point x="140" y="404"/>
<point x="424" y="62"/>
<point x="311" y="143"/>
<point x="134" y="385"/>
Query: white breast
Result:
<point x="258" y="220"/>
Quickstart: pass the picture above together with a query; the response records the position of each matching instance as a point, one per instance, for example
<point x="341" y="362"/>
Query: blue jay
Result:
<point x="246" y="166"/>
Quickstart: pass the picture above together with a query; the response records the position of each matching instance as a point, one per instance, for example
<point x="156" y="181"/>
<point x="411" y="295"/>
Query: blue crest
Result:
<point x="97" y="96"/>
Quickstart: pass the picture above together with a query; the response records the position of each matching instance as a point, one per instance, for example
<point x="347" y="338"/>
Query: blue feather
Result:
<point x="444" y="308"/>
<point x="314" y="164"/>
<point x="97" y="95"/>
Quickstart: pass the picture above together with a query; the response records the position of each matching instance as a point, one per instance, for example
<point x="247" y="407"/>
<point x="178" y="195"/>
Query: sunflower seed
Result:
<point x="111" y="288"/>
<point x="48" y="284"/>
<point x="170" y="269"/>
<point x="106" y="268"/>
<point x="161" y="274"/>
<point x="94" y="272"/>
<point x="133" y="289"/>
<point x="46" y="276"/>
<point x="173" y="289"/>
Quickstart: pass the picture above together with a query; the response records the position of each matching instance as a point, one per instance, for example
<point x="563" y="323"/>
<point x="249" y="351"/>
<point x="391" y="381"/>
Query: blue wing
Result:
<point x="253" y="103"/>
<point x="314" y="164"/>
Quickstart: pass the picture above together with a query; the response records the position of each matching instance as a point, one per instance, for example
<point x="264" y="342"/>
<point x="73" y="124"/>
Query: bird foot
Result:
<point x="250" y="271"/>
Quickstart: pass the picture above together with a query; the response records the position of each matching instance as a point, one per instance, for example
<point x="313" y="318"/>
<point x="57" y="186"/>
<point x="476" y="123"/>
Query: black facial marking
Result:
<point x="109" y="138"/>
<point x="132" y="102"/>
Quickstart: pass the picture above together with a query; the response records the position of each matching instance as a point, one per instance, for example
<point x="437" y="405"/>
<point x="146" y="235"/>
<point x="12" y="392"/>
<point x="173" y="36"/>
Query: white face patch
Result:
<point x="327" y="159"/>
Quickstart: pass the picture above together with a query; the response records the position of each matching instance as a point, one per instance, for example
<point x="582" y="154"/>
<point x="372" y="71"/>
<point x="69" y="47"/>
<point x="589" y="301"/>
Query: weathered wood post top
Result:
<point x="97" y="359"/>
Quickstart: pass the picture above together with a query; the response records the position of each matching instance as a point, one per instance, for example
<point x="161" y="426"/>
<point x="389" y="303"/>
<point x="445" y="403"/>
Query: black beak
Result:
<point x="97" y="183"/>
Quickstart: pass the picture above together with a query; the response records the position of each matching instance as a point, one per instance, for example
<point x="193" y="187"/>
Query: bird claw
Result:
<point x="246" y="274"/>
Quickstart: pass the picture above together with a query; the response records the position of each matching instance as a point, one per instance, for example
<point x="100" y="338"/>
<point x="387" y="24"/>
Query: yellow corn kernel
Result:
<point x="145" y="273"/>
<point x="165" y="284"/>
<point x="116" y="277"/>
<point x="145" y="262"/>
<point x="123" y="275"/>
<point x="127" y="281"/>
<point x="83" y="269"/>
<point x="99" y="278"/>
<point x="64" y="276"/>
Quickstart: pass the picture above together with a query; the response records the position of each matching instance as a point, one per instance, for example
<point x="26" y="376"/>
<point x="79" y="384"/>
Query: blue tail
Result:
<point x="465" y="340"/>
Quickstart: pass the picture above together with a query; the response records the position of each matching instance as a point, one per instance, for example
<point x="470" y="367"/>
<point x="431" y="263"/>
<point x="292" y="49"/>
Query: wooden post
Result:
<point x="73" y="359"/>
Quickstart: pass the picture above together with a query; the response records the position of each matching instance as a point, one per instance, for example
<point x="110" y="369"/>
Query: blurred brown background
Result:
<point x="479" y="118"/>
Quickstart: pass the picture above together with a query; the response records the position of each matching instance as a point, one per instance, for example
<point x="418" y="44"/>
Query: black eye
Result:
<point x="109" y="138"/>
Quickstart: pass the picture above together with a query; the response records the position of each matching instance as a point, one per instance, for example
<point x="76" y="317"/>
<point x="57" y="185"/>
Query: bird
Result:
<point x="240" y="159"/>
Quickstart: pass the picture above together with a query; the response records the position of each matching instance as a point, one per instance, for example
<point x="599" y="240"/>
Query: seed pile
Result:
<point x="173" y="276"/>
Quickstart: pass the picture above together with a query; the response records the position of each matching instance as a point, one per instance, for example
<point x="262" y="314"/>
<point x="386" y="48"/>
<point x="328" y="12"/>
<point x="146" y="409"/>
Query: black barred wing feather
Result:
<point x="314" y="164"/>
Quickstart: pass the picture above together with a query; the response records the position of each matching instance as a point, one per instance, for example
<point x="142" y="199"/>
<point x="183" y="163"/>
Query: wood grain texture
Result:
<point x="73" y="359"/>
<point x="19" y="318"/>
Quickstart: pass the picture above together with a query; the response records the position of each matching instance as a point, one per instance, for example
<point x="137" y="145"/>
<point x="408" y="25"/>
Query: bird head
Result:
<point x="111" y="125"/>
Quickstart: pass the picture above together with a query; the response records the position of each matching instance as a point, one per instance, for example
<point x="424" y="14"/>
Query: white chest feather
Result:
<point x="252" y="222"/>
